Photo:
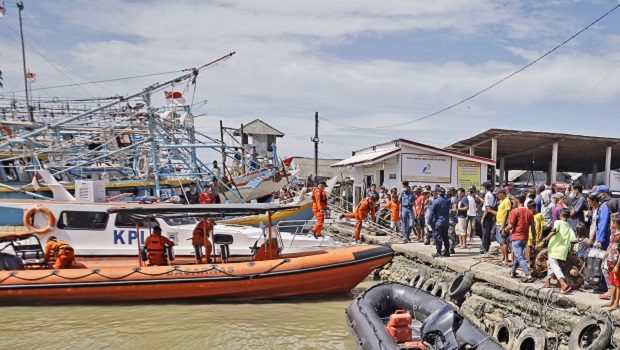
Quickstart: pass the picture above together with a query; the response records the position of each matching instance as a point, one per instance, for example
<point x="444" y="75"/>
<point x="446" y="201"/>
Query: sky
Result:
<point x="364" y="66"/>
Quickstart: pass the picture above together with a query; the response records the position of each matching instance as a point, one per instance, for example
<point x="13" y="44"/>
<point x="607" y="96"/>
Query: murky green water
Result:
<point x="301" y="323"/>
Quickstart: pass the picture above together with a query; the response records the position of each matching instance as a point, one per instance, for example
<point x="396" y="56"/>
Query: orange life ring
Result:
<point x="29" y="215"/>
<point x="8" y="131"/>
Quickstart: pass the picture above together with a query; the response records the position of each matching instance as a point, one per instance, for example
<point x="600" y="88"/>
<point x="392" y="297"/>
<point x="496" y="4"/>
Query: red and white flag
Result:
<point x="35" y="181"/>
<point x="174" y="98"/>
<point x="2" y="10"/>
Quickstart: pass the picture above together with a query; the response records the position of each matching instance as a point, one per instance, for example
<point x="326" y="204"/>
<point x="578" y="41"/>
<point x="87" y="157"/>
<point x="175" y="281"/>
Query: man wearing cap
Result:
<point x="420" y="202"/>
<point x="603" y="233"/>
<point x="155" y="245"/>
<point x="319" y="206"/>
<point x="364" y="207"/>
<point x="438" y="220"/>
<point x="63" y="253"/>
<point x="454" y="202"/>
<point x="407" y="201"/>
<point x="207" y="197"/>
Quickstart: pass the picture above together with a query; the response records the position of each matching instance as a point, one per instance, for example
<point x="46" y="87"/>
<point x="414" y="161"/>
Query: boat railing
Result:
<point x="299" y="227"/>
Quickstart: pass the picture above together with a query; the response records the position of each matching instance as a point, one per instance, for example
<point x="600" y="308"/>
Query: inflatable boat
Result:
<point x="397" y="316"/>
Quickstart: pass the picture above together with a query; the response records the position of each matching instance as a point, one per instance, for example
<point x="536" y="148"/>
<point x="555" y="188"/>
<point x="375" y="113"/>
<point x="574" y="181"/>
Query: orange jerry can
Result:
<point x="398" y="327"/>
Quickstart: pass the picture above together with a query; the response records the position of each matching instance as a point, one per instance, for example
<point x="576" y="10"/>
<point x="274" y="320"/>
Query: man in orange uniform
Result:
<point x="361" y="212"/>
<point x="319" y="206"/>
<point x="199" y="240"/>
<point x="156" y="246"/>
<point x="63" y="253"/>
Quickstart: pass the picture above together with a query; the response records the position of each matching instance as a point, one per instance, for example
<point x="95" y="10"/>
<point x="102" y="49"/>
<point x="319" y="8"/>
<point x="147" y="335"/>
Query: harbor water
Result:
<point x="313" y="322"/>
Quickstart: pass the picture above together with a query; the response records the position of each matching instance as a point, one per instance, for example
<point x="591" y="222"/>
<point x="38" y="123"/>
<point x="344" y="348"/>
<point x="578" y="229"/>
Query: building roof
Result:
<point x="306" y="168"/>
<point x="259" y="127"/>
<point x="530" y="150"/>
<point x="373" y="154"/>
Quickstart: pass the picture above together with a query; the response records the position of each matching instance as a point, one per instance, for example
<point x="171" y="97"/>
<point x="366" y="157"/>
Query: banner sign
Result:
<point x="468" y="174"/>
<point x="426" y="168"/>
<point x="614" y="180"/>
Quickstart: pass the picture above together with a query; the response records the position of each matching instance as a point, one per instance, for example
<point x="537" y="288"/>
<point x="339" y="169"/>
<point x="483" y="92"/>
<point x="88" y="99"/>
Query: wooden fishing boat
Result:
<point x="269" y="273"/>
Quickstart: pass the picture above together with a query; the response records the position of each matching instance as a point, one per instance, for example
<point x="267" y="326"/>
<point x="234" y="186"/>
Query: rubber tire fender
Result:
<point x="460" y="285"/>
<point x="529" y="336"/>
<point x="507" y="331"/>
<point x="418" y="278"/>
<point x="441" y="289"/>
<point x="428" y="286"/>
<point x="586" y="324"/>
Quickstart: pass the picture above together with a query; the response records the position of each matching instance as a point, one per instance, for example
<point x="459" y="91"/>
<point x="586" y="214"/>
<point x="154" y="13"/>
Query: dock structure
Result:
<point x="495" y="296"/>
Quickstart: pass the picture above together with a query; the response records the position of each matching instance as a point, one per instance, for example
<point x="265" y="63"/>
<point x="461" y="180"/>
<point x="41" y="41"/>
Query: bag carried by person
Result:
<point x="594" y="262"/>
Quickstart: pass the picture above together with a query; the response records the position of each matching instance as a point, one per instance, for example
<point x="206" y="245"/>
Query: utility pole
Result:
<point x="242" y="152"/>
<point x="20" y="7"/>
<point x="316" y="145"/>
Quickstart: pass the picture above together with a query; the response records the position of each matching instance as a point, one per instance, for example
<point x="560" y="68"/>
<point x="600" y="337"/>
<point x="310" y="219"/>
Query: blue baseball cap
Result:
<point x="599" y="189"/>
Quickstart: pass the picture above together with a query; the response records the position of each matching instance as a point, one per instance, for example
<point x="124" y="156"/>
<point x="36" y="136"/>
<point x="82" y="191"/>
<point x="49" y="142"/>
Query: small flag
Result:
<point x="174" y="98"/>
<point x="2" y="10"/>
<point x="35" y="181"/>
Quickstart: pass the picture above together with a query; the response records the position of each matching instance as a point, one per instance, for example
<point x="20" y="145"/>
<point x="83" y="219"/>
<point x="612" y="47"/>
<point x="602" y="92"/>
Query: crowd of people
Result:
<point x="560" y="219"/>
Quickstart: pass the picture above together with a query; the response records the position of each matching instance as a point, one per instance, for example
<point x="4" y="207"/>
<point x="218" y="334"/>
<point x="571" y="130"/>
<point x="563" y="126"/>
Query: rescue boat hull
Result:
<point x="329" y="271"/>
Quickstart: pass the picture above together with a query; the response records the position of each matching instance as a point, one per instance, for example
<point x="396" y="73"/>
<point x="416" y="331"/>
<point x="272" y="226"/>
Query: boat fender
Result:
<point x="531" y="338"/>
<point x="460" y="285"/>
<point x="441" y="289"/>
<point x="144" y="254"/>
<point x="583" y="334"/>
<point x="428" y="285"/>
<point x="418" y="278"/>
<point x="29" y="215"/>
<point x="507" y="331"/>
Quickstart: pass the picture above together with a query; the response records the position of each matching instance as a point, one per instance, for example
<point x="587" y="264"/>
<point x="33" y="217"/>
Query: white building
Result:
<point x="390" y="163"/>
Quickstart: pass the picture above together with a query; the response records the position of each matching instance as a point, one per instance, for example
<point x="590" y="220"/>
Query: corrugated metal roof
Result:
<point x="259" y="127"/>
<point x="306" y="168"/>
<point x="366" y="158"/>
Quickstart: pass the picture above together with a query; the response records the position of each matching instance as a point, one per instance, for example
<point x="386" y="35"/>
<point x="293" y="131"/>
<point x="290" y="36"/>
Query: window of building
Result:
<point x="83" y="220"/>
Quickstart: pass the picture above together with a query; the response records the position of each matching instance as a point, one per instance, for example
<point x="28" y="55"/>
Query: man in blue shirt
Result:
<point x="439" y="220"/>
<point x="407" y="200"/>
<point x="580" y="204"/>
<point x="603" y="233"/>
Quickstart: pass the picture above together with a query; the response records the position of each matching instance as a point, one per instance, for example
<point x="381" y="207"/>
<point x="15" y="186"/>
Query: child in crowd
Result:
<point x="613" y="262"/>
<point x="539" y="225"/>
<point x="582" y="246"/>
<point x="394" y="207"/>
<point x="559" y="243"/>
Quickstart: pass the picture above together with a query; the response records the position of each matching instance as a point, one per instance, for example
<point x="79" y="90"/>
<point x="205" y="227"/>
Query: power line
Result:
<point x="494" y="84"/>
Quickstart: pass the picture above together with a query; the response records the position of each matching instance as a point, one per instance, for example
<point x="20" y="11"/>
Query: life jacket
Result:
<point x="156" y="244"/>
<point x="62" y="248"/>
<point x="321" y="202"/>
<point x="198" y="238"/>
<point x="363" y="208"/>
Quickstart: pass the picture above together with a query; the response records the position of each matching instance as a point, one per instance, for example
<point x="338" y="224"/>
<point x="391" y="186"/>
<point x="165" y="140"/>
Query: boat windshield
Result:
<point x="180" y="221"/>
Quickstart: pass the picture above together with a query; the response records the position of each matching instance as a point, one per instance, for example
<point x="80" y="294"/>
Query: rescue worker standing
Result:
<point x="199" y="240"/>
<point x="361" y="212"/>
<point x="407" y="200"/>
<point x="438" y="220"/>
<point x="63" y="253"/>
<point x="156" y="247"/>
<point x="319" y="206"/>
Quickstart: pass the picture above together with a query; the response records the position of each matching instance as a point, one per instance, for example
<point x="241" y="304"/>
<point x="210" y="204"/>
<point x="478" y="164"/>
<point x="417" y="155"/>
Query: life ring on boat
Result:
<point x="508" y="330"/>
<point x="418" y="278"/>
<point x="9" y="132"/>
<point x="441" y="289"/>
<point x="29" y="215"/>
<point x="582" y="335"/>
<point x="428" y="285"/>
<point x="460" y="285"/>
<point x="531" y="338"/>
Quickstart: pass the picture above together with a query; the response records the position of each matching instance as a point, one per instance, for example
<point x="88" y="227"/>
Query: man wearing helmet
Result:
<point x="361" y="212"/>
<point x="63" y="253"/>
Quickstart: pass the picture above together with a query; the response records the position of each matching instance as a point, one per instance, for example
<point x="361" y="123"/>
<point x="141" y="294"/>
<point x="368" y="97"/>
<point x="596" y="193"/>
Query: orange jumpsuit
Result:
<point x="156" y="246"/>
<point x="319" y="203"/>
<point x="63" y="253"/>
<point x="199" y="240"/>
<point x="394" y="207"/>
<point x="360" y="215"/>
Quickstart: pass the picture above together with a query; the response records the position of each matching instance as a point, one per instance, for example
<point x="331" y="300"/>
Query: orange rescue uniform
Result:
<point x="63" y="253"/>
<point x="394" y="207"/>
<point x="156" y="246"/>
<point x="319" y="204"/>
<point x="199" y="240"/>
<point x="360" y="214"/>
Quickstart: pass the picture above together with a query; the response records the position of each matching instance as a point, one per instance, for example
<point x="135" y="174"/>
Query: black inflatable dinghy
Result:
<point x="435" y="324"/>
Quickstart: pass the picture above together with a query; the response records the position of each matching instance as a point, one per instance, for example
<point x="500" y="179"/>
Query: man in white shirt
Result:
<point x="471" y="214"/>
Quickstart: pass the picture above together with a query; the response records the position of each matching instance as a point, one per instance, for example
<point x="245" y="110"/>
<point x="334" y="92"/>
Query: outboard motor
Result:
<point x="440" y="327"/>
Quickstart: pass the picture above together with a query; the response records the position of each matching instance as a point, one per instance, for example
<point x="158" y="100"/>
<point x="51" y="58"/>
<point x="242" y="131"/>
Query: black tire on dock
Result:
<point x="507" y="331"/>
<point x="591" y="332"/>
<point x="460" y="285"/>
<point x="531" y="338"/>
<point x="428" y="285"/>
<point x="441" y="289"/>
<point x="418" y="278"/>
